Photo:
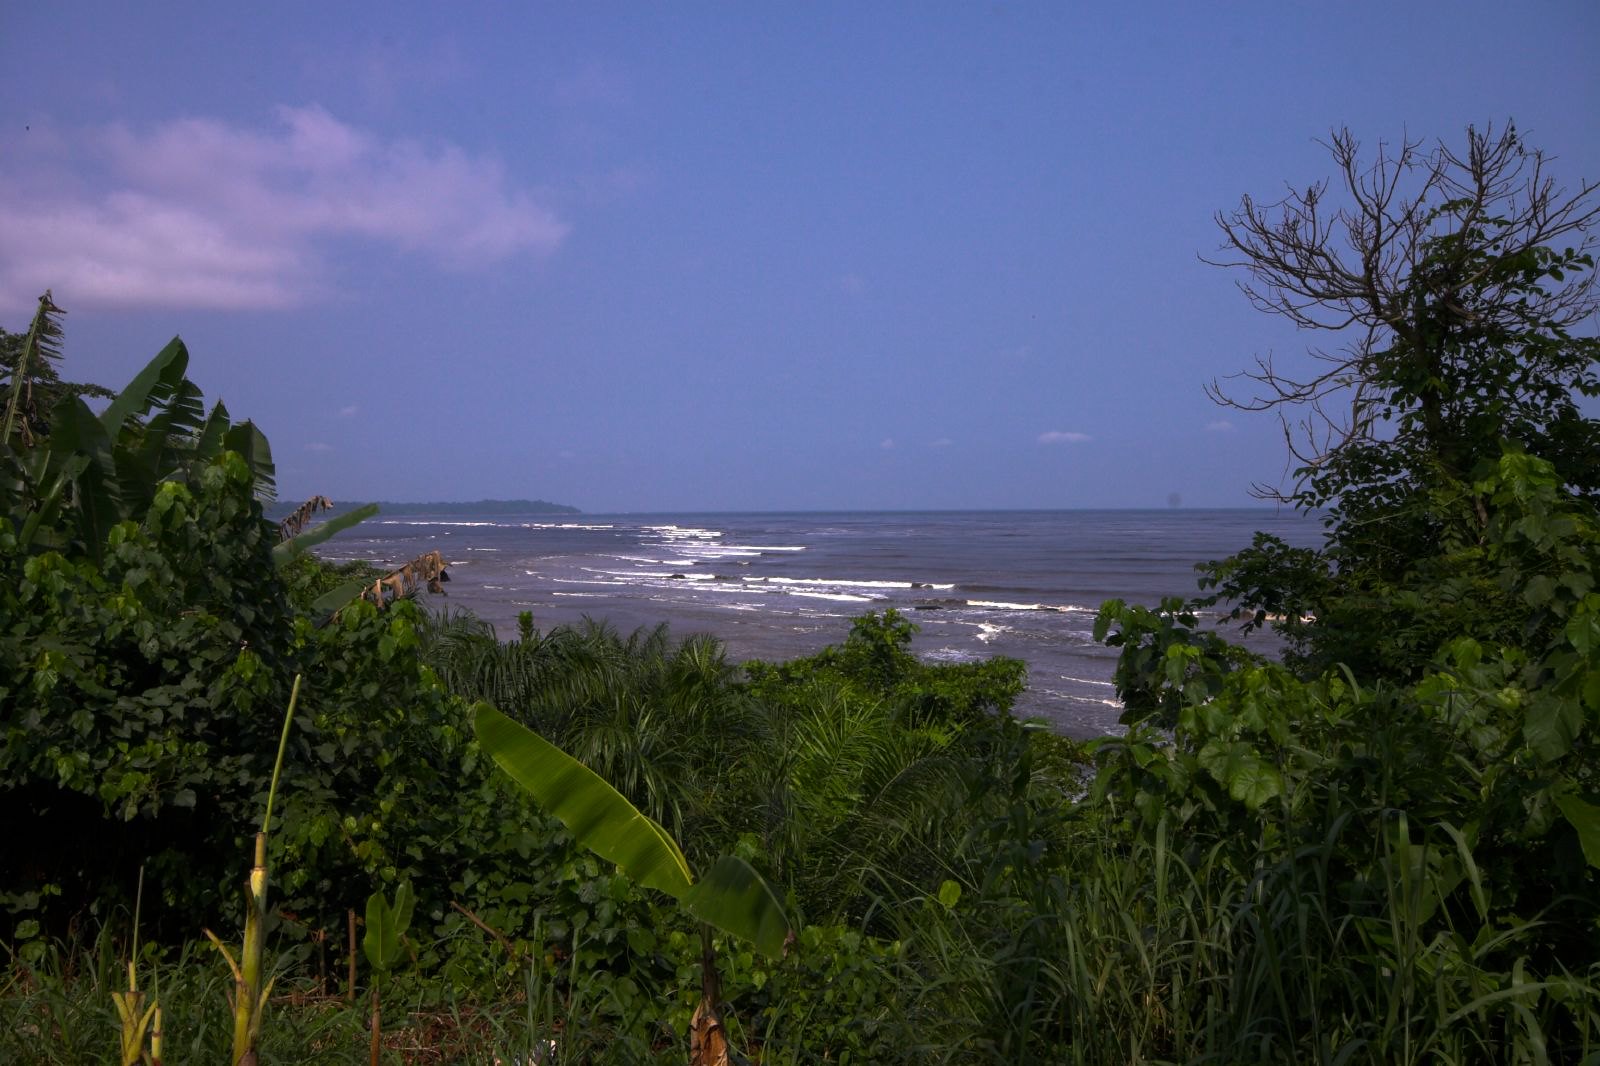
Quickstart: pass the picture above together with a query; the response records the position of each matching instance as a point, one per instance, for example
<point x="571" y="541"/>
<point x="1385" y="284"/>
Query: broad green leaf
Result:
<point x="75" y="431"/>
<point x="1537" y="592"/>
<point x="1583" y="630"/>
<point x="171" y="360"/>
<point x="1585" y="818"/>
<point x="736" y="899"/>
<point x="209" y="442"/>
<point x="599" y="817"/>
<point x="386" y="924"/>
<point x="378" y="932"/>
<point x="1248" y="777"/>
<point x="164" y="446"/>
<point x="404" y="902"/>
<point x="1552" y="725"/>
<point x="332" y="601"/>
<point x="252" y="446"/>
<point x="1255" y="782"/>
<point x="293" y="548"/>
<point x="51" y="500"/>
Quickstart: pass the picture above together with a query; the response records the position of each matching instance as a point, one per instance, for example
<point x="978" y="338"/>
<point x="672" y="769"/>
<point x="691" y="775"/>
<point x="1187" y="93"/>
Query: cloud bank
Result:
<point x="201" y="213"/>
<point x="1058" y="436"/>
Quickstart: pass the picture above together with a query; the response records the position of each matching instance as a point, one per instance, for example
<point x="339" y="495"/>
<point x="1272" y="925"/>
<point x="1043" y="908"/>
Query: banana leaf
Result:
<point x="732" y="896"/>
<point x="337" y="598"/>
<point x="386" y="924"/>
<point x="599" y="817"/>
<point x="736" y="899"/>
<point x="291" y="549"/>
<point x="159" y="377"/>
<point x="252" y="445"/>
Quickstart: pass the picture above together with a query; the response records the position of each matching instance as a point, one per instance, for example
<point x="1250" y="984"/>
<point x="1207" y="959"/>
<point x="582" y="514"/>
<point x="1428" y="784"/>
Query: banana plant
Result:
<point x="731" y="896"/>
<point x="138" y="1022"/>
<point x="386" y="926"/>
<point x="93" y="471"/>
<point x="250" y="993"/>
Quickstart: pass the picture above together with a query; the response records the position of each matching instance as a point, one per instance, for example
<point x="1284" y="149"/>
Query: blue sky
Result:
<point x="720" y="257"/>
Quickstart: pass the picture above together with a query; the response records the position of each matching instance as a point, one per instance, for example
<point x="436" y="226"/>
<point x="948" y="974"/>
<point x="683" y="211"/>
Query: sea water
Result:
<point x="1024" y="584"/>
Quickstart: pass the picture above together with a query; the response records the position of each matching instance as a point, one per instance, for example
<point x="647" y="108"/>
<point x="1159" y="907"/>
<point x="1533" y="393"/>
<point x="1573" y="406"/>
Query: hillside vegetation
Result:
<point x="1382" y="849"/>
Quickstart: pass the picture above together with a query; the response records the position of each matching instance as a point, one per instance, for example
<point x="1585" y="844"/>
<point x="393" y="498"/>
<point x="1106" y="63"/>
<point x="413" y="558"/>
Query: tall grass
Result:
<point x="1153" y="952"/>
<point x="60" y="1011"/>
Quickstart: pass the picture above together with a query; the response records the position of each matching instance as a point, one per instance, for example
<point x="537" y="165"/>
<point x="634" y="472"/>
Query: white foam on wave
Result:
<point x="1073" y="697"/>
<point x="563" y="525"/>
<point x="828" y="582"/>
<point x="742" y="549"/>
<point x="483" y="549"/>
<point x="987" y="632"/>
<point x="949" y="655"/>
<point x="716" y="551"/>
<point x="1088" y="681"/>
<point x="673" y="532"/>
<point x="437" y="522"/>
<point x="999" y="605"/>
<point x="838" y="597"/>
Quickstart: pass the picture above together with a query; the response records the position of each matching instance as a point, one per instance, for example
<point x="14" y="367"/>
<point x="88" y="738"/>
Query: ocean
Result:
<point x="1024" y="584"/>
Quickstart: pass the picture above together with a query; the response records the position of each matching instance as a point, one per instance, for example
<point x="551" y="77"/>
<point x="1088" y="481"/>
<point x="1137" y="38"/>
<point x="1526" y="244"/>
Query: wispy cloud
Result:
<point x="318" y="446"/>
<point x="349" y="411"/>
<point x="1221" y="425"/>
<point x="887" y="444"/>
<point x="202" y="213"/>
<point x="942" y="442"/>
<point x="1062" y="436"/>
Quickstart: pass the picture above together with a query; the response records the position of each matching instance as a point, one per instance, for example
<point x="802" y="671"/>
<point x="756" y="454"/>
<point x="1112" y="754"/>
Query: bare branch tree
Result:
<point x="1407" y="253"/>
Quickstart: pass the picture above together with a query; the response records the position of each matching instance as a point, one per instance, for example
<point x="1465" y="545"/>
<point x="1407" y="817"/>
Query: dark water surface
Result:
<point x="773" y="586"/>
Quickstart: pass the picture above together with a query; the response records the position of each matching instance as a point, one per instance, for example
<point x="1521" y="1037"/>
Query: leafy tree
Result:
<point x="32" y="385"/>
<point x="1412" y="797"/>
<point x="1456" y="282"/>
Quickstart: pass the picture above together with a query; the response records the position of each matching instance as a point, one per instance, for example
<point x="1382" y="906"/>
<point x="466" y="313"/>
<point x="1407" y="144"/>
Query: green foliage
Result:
<point x="730" y="896"/>
<point x="1470" y="354"/>
<point x="66" y="492"/>
<point x="1385" y="848"/>
<point x="1382" y="849"/>
<point x="309" y="579"/>
<point x="598" y="815"/>
<point x="386" y="926"/>
<point x="293" y="548"/>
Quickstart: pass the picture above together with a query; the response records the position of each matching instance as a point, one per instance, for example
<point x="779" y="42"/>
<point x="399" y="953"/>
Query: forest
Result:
<point x="261" y="808"/>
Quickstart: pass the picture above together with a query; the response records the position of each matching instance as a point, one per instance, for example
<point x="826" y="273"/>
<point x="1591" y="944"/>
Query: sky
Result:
<point x="722" y="257"/>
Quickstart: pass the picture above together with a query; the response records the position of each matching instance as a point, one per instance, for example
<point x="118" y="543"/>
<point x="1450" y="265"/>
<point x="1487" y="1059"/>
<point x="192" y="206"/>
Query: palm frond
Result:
<point x="42" y="346"/>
